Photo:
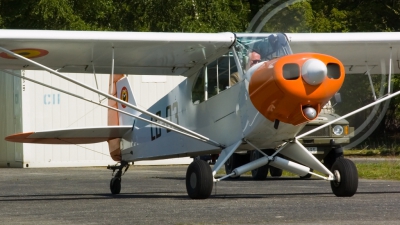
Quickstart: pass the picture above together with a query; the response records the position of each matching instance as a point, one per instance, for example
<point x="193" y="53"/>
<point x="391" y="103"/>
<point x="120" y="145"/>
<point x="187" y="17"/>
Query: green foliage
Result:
<point x="40" y="14"/>
<point x="295" y="18"/>
<point x="126" y="15"/>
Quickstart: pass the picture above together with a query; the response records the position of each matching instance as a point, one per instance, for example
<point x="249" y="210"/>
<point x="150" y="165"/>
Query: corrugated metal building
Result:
<point x="31" y="107"/>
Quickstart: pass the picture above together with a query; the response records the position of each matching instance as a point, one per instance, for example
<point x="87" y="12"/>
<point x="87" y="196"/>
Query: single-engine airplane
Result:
<point x="264" y="109"/>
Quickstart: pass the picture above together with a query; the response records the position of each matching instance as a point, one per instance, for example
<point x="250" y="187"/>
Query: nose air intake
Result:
<point x="294" y="88"/>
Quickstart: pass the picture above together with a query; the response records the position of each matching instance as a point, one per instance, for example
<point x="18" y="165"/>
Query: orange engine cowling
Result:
<point x="294" y="88"/>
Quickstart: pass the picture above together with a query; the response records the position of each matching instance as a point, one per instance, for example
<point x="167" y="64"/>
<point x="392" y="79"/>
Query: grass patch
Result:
<point x="362" y="153"/>
<point x="383" y="152"/>
<point x="386" y="170"/>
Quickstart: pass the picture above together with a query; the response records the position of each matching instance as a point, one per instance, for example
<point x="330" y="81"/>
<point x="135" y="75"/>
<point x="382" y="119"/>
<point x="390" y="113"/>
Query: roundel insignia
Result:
<point x="124" y="95"/>
<point x="26" y="52"/>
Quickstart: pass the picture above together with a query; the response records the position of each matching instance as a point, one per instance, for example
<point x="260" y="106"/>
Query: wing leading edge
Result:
<point x="355" y="50"/>
<point x="144" y="53"/>
<point x="87" y="135"/>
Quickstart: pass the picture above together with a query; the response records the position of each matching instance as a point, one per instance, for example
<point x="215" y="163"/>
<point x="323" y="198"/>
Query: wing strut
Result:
<point x="370" y="81"/>
<point x="109" y="107"/>
<point x="390" y="70"/>
<point x="176" y="126"/>
<point x="349" y="114"/>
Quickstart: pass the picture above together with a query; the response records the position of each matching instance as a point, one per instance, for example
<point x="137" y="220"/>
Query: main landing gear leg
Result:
<point x="333" y="155"/>
<point x="115" y="183"/>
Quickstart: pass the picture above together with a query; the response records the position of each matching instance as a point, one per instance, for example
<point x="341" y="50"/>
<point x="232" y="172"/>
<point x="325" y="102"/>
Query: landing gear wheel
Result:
<point x="115" y="185"/>
<point x="232" y="163"/>
<point x="115" y="182"/>
<point x="346" y="174"/>
<point x="199" y="180"/>
<point x="275" y="172"/>
<point x="261" y="172"/>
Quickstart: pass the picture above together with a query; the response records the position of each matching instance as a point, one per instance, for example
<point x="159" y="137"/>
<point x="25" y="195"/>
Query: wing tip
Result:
<point x="19" y="137"/>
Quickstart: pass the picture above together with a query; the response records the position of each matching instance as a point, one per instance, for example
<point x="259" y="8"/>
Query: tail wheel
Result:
<point x="346" y="174"/>
<point x="261" y="172"/>
<point x="199" y="180"/>
<point x="275" y="172"/>
<point x="115" y="185"/>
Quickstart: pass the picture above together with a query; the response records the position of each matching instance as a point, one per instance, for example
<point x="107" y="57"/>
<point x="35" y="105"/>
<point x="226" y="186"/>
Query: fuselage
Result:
<point x="269" y="104"/>
<point x="226" y="118"/>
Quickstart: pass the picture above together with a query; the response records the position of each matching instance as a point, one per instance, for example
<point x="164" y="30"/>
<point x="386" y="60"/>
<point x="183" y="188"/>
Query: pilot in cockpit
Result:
<point x="254" y="58"/>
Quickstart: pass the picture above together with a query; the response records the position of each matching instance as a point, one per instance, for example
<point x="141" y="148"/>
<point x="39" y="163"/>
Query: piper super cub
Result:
<point x="244" y="92"/>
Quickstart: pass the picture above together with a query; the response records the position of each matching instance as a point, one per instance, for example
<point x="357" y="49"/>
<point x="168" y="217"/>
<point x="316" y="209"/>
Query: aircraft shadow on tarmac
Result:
<point x="243" y="178"/>
<point x="177" y="195"/>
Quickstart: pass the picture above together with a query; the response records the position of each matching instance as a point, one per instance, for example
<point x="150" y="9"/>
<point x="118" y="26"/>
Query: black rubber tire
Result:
<point x="115" y="185"/>
<point x="234" y="162"/>
<point x="199" y="180"/>
<point x="261" y="172"/>
<point x="348" y="184"/>
<point x="275" y="172"/>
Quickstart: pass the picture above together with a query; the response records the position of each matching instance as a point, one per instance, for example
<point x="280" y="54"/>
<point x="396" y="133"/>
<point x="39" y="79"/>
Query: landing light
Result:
<point x="309" y="112"/>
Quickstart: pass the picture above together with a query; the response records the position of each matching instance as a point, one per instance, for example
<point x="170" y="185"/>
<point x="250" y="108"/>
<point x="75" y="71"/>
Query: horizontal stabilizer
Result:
<point x="85" y="135"/>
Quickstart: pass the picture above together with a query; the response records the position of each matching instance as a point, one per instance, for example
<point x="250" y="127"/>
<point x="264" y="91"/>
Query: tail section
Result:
<point x="124" y="92"/>
<point x="116" y="86"/>
<point x="118" y="124"/>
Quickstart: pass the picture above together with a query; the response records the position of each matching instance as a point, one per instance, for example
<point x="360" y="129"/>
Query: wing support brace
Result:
<point x="370" y="81"/>
<point x="349" y="114"/>
<point x="295" y="150"/>
<point x="99" y="104"/>
<point x="224" y="156"/>
<point x="182" y="129"/>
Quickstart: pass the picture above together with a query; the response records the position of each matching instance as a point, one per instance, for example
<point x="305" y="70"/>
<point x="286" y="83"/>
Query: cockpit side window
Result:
<point x="198" y="91"/>
<point x="214" y="78"/>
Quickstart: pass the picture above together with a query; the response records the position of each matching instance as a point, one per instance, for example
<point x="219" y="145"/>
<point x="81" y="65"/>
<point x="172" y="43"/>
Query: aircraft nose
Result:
<point x="294" y="88"/>
<point x="314" y="71"/>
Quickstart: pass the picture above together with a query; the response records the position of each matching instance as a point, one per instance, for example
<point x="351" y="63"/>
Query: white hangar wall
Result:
<point x="32" y="107"/>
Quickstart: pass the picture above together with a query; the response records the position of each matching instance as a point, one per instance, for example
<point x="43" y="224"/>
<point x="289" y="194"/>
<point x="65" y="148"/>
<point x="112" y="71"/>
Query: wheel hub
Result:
<point x="337" y="177"/>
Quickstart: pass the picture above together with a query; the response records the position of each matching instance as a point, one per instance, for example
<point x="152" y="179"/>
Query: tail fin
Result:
<point x="120" y="88"/>
<point x="125" y="93"/>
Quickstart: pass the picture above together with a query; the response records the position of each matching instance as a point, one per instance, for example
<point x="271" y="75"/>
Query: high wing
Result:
<point x="71" y="136"/>
<point x="133" y="52"/>
<point x="354" y="50"/>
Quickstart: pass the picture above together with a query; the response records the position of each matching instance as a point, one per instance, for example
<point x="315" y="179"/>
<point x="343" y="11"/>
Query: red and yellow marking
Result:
<point x="26" y="52"/>
<point x="124" y="96"/>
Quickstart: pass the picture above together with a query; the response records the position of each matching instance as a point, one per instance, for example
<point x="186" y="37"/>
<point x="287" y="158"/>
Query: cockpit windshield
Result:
<point x="268" y="46"/>
<point x="230" y="68"/>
